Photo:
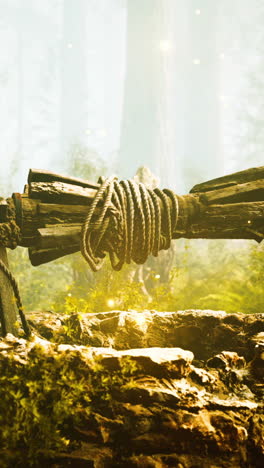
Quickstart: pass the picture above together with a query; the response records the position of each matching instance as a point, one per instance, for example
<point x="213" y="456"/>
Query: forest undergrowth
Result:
<point x="200" y="274"/>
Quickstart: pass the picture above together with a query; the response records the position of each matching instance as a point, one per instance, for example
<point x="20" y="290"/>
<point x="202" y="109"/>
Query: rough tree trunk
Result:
<point x="8" y="317"/>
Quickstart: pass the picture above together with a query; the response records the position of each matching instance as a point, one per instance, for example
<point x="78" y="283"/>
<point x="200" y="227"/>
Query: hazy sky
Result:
<point x="158" y="82"/>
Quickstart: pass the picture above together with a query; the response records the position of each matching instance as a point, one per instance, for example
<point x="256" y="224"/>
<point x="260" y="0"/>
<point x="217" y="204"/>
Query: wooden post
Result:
<point x="8" y="316"/>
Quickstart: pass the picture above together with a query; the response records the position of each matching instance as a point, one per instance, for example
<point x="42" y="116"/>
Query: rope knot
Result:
<point x="129" y="222"/>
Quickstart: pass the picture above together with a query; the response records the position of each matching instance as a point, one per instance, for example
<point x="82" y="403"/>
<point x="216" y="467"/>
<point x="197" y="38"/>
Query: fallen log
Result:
<point x="248" y="175"/>
<point x="38" y="256"/>
<point x="250" y="191"/>
<point x="61" y="192"/>
<point x="228" y="221"/>
<point x="58" y="236"/>
<point x="7" y="299"/>
<point x="53" y="209"/>
<point x="37" y="175"/>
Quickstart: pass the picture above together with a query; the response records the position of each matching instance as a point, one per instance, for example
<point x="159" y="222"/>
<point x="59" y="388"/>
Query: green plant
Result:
<point x="46" y="394"/>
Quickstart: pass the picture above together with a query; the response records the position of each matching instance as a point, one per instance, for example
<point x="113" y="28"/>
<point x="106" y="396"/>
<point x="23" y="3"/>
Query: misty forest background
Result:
<point x="96" y="87"/>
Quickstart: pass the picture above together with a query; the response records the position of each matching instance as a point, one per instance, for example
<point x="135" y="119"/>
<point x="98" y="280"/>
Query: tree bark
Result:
<point x="250" y="191"/>
<point x="230" y="221"/>
<point x="39" y="175"/>
<point x="8" y="316"/>
<point x="41" y="256"/>
<point x="248" y="175"/>
<point x="141" y="126"/>
<point x="59" y="236"/>
<point x="201" y="152"/>
<point x="60" y="192"/>
<point x="73" y="116"/>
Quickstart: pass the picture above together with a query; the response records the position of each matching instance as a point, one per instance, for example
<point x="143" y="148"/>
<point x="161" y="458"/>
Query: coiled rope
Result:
<point x="128" y="221"/>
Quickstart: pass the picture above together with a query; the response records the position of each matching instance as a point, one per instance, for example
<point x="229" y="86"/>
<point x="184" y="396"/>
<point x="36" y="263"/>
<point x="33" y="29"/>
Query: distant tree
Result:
<point x="31" y="116"/>
<point x="200" y="75"/>
<point x="144" y="89"/>
<point x="250" y="111"/>
<point x="171" y="102"/>
<point x="73" y="75"/>
<point x="84" y="162"/>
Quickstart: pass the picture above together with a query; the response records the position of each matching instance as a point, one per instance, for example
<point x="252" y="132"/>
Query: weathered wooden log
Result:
<point x="230" y="221"/>
<point x="60" y="192"/>
<point x="26" y="217"/>
<point x="8" y="317"/>
<point x="248" y="175"/>
<point x="3" y="210"/>
<point x="51" y="210"/>
<point x="248" y="192"/>
<point x="235" y="221"/>
<point x="40" y="256"/>
<point x="59" y="236"/>
<point x="39" y="175"/>
<point x="50" y="213"/>
<point x="37" y="215"/>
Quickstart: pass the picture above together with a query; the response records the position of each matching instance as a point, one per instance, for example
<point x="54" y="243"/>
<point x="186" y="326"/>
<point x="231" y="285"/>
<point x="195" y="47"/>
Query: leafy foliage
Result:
<point x="217" y="275"/>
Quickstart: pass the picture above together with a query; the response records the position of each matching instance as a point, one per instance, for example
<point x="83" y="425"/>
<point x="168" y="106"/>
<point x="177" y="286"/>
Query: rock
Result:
<point x="205" y="333"/>
<point x="226" y="360"/>
<point x="68" y="405"/>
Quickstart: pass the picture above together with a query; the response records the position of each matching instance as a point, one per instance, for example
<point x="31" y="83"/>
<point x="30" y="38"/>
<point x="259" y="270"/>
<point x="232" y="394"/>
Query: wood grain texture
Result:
<point x="247" y="192"/>
<point x="60" y="192"/>
<point x="40" y="256"/>
<point x="8" y="315"/>
<point x="40" y="175"/>
<point x="230" y="221"/>
<point x="248" y="175"/>
<point x="59" y="236"/>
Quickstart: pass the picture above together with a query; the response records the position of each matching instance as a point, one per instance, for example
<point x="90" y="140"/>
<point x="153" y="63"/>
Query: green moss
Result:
<point x="45" y="395"/>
